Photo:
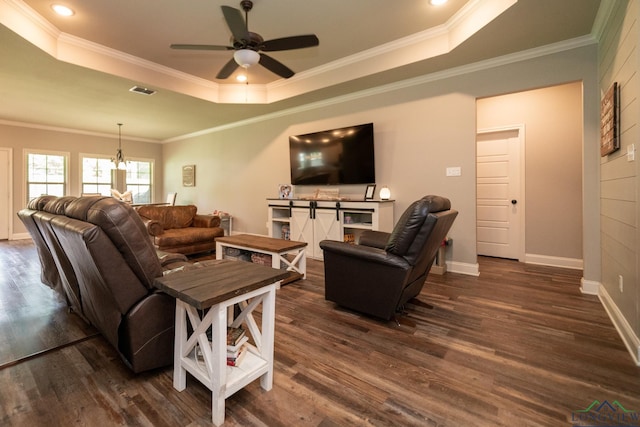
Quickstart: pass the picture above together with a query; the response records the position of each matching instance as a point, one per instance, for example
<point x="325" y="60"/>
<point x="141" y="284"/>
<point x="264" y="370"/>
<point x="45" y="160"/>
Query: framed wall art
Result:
<point x="189" y="176"/>
<point x="610" y="121"/>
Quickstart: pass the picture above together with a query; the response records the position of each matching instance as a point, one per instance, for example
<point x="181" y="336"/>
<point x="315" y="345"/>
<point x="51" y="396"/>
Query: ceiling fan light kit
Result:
<point x="248" y="45"/>
<point x="246" y="57"/>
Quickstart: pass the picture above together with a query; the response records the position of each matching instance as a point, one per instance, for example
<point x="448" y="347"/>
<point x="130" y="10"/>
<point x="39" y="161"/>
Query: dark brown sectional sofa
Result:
<point x="96" y="251"/>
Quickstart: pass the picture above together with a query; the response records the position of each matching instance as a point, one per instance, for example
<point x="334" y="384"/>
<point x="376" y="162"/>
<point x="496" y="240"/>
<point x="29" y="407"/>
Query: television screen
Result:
<point x="336" y="156"/>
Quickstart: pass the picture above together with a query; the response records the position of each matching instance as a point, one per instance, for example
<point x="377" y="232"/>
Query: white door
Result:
<point x="5" y="206"/>
<point x="325" y="227"/>
<point x="500" y="194"/>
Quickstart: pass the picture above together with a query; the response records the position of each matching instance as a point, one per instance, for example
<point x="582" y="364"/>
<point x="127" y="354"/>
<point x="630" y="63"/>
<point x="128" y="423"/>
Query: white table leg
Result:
<point x="219" y="250"/>
<point x="303" y="263"/>
<point x="179" y="373"/>
<point x="268" y="334"/>
<point x="219" y="361"/>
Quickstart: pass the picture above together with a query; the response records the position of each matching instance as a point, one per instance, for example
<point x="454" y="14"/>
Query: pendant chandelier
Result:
<point x="119" y="162"/>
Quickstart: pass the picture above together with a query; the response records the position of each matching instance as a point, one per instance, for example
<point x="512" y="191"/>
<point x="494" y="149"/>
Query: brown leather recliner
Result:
<point x="106" y="265"/>
<point x="385" y="270"/>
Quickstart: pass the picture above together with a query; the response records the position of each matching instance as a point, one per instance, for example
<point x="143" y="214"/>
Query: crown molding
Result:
<point x="550" y="49"/>
<point x="26" y="22"/>
<point x="73" y="131"/>
<point x="416" y="47"/>
<point x="604" y="13"/>
<point x="21" y="19"/>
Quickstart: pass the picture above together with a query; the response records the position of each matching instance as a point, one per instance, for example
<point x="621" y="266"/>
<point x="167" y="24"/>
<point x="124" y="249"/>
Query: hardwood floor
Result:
<point x="517" y="346"/>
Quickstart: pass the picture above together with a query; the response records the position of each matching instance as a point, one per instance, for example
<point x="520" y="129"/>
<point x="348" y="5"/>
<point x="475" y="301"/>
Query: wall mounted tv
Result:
<point x="335" y="156"/>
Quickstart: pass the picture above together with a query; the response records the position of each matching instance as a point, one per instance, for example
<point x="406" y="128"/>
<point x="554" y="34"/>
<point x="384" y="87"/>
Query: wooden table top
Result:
<point x="261" y="242"/>
<point x="219" y="281"/>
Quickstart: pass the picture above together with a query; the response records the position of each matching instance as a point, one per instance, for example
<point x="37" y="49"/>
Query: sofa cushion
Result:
<point x="187" y="236"/>
<point x="170" y="217"/>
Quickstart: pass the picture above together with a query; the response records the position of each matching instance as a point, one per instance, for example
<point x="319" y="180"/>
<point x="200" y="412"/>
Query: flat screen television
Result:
<point x="335" y="156"/>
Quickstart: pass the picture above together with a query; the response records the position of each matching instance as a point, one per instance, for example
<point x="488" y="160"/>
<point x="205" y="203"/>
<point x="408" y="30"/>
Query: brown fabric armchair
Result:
<point x="180" y="228"/>
<point x="385" y="270"/>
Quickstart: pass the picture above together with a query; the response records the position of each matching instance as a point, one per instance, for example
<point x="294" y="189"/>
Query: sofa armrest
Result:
<point x="206" y="221"/>
<point x="154" y="228"/>
<point x="146" y="333"/>
<point x="376" y="239"/>
<point x="169" y="260"/>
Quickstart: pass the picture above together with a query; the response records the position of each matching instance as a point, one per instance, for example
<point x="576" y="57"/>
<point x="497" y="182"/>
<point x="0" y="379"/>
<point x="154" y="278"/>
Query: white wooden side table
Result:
<point x="216" y="289"/>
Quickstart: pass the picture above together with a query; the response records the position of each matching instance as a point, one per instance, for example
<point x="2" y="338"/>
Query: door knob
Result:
<point x="514" y="201"/>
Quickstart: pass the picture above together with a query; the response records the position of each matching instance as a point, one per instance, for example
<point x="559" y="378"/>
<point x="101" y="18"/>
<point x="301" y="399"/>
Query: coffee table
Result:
<point x="277" y="248"/>
<point x="216" y="288"/>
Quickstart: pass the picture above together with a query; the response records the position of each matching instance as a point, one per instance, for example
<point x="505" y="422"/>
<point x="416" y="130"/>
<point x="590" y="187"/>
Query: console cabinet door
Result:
<point x="302" y="226"/>
<point x="327" y="220"/>
<point x="325" y="227"/>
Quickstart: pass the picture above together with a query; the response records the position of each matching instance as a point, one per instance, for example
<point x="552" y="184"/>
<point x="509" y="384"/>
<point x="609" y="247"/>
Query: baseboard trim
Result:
<point x="589" y="287"/>
<point x="20" y="236"/>
<point x="629" y="338"/>
<point x="554" y="261"/>
<point x="463" y="268"/>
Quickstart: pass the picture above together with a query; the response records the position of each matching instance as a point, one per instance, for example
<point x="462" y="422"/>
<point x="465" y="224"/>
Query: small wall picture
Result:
<point x="371" y="190"/>
<point x="610" y="121"/>
<point x="189" y="176"/>
<point x="285" y="191"/>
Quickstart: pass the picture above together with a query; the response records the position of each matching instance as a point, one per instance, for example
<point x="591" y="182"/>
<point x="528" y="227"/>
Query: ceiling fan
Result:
<point x="248" y="45"/>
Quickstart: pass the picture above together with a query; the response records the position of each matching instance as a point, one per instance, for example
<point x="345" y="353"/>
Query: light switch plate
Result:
<point x="631" y="152"/>
<point x="454" y="171"/>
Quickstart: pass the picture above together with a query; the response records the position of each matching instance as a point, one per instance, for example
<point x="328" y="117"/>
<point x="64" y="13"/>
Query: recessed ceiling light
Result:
<point x="241" y="78"/>
<point x="437" y="2"/>
<point x="62" y="10"/>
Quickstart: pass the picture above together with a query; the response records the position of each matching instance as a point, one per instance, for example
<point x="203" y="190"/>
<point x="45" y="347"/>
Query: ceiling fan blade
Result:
<point x="200" y="47"/>
<point x="236" y="23"/>
<point x="276" y="67"/>
<point x="228" y="69"/>
<point x="288" y="43"/>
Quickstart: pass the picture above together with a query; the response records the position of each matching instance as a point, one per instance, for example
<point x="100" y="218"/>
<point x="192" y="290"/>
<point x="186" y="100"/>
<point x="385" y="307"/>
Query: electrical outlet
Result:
<point x="621" y="283"/>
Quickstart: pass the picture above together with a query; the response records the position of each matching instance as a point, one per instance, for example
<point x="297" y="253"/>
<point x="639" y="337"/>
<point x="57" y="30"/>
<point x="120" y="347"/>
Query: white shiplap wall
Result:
<point x="618" y="61"/>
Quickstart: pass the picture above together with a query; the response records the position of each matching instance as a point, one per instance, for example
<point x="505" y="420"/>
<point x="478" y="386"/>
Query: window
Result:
<point x="46" y="174"/>
<point x="139" y="179"/>
<point x="96" y="176"/>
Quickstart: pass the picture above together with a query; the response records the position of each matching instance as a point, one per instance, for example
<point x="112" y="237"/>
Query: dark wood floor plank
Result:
<point x="519" y="345"/>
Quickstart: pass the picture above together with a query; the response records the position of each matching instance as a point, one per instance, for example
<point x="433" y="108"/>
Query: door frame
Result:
<point x="9" y="206"/>
<point x="520" y="128"/>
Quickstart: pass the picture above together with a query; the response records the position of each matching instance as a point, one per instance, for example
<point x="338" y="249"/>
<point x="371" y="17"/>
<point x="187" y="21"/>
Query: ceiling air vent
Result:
<point x="142" y="90"/>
